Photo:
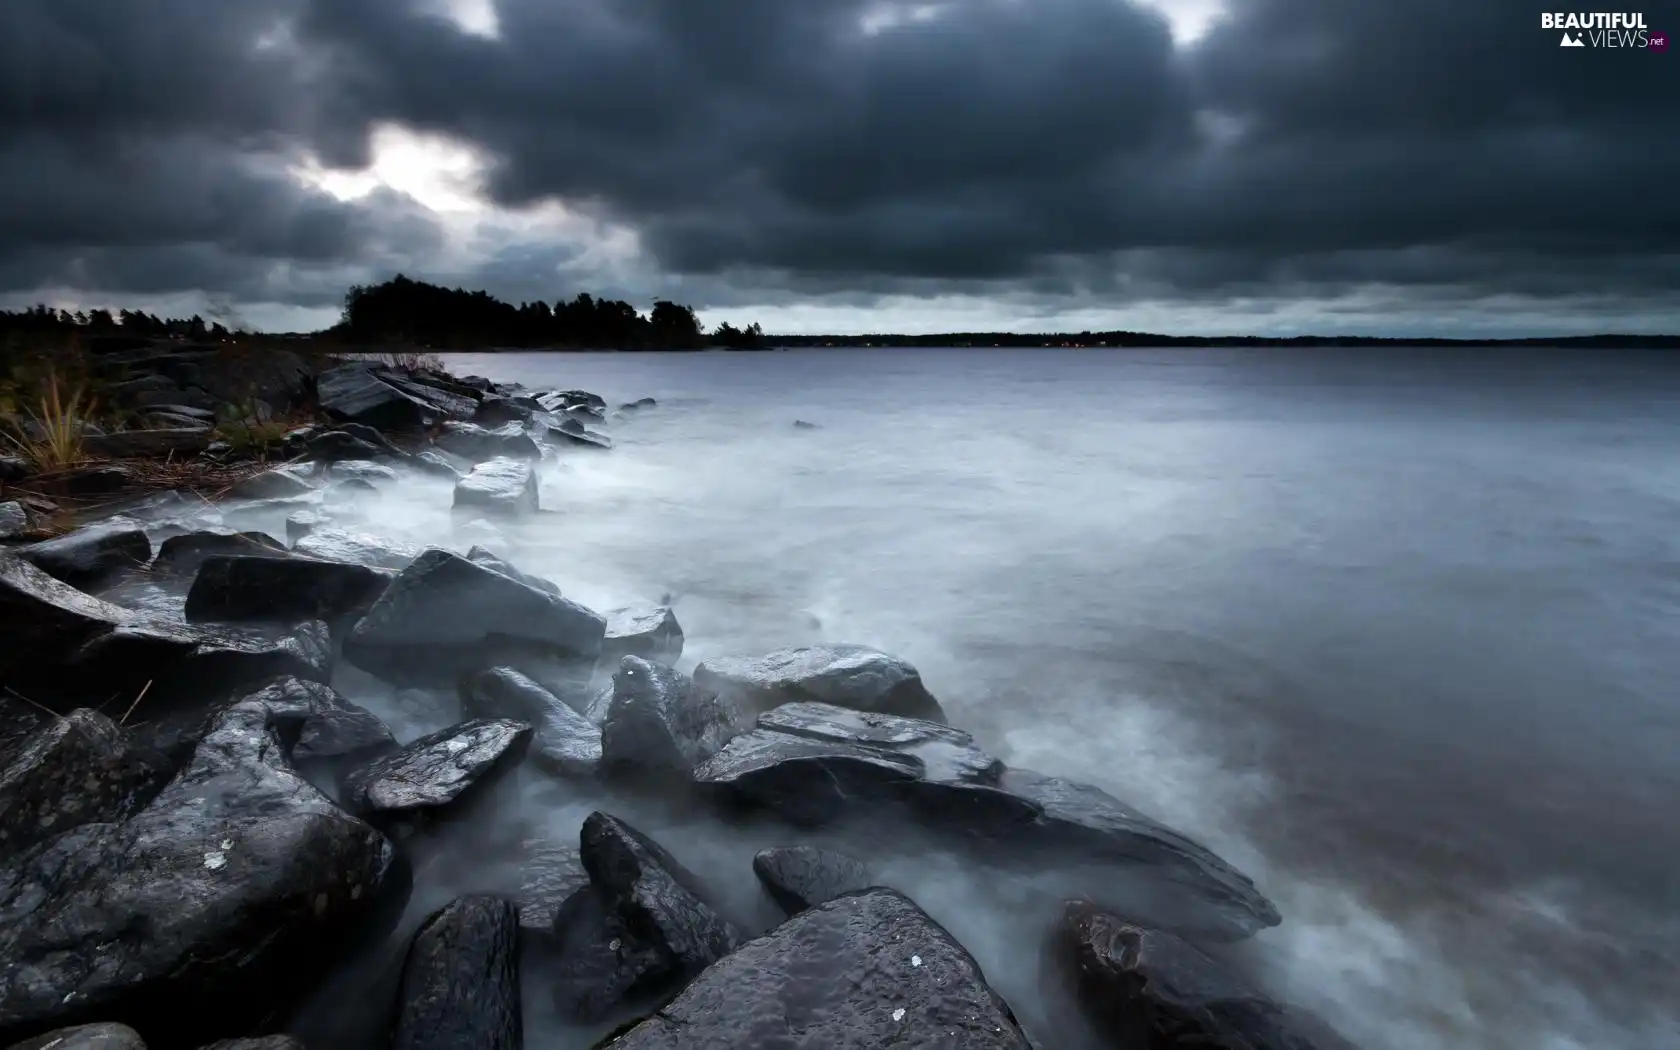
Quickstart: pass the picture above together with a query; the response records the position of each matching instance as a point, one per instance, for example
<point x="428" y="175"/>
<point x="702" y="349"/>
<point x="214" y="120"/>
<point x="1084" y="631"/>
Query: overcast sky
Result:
<point x="1382" y="166"/>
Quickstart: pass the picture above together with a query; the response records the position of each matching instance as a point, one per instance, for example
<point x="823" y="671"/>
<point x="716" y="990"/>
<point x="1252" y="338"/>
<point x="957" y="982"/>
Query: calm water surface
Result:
<point x="1397" y="632"/>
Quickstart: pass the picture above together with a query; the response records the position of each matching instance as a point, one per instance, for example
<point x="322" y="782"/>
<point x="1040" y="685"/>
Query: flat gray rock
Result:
<point x="852" y="676"/>
<point x="506" y="487"/>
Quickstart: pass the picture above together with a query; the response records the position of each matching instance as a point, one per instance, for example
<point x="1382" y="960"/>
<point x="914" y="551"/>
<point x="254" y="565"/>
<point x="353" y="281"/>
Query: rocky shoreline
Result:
<point x="199" y="823"/>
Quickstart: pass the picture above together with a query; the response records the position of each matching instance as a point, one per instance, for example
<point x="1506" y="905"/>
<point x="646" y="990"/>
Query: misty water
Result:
<point x="1395" y="632"/>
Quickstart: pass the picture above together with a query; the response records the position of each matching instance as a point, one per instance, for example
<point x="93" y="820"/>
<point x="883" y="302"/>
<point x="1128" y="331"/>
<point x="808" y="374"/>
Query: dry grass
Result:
<point x="59" y="419"/>
<point x="407" y="360"/>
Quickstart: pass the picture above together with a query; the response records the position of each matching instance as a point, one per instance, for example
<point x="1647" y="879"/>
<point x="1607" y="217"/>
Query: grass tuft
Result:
<point x="51" y="433"/>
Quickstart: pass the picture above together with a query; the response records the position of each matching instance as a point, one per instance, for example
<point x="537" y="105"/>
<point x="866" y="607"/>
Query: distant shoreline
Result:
<point x="1119" y="341"/>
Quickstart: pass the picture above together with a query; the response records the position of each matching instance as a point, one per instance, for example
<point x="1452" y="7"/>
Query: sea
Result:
<point x="1395" y="631"/>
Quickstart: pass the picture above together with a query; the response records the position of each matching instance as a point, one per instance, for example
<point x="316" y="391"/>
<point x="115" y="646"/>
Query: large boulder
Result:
<point x="74" y="770"/>
<point x="571" y="432"/>
<point x="88" y="554"/>
<point x="460" y="982"/>
<point x="209" y="910"/>
<point x="478" y="444"/>
<point x="1147" y="988"/>
<point x="648" y="631"/>
<point x="599" y="966"/>
<point x="801" y="877"/>
<point x="182" y="555"/>
<point x="660" y="721"/>
<point x="444" y="398"/>
<point x="481" y="556"/>
<point x="444" y="617"/>
<point x="438" y="773"/>
<point x="863" y="971"/>
<point x="564" y="743"/>
<point x="65" y="645"/>
<point x="361" y="392"/>
<point x="281" y="590"/>
<point x="853" y="676"/>
<point x="506" y="487"/>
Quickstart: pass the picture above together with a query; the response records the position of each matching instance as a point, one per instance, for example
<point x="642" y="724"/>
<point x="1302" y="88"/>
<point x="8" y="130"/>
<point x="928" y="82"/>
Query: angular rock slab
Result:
<point x="267" y="1042"/>
<point x="505" y="487"/>
<point x="356" y="548"/>
<point x="460" y="981"/>
<point x="85" y="1037"/>
<point x="435" y="772"/>
<point x="865" y="971"/>
<point x="551" y="874"/>
<point x="206" y="911"/>
<point x="87" y="554"/>
<point x="357" y="392"/>
<point x="850" y="676"/>
<point x="281" y="590"/>
<point x="655" y="895"/>
<point x="185" y="553"/>
<point x="75" y="770"/>
<point x="802" y="877"/>
<point x="648" y="631"/>
<point x="564" y="743"/>
<point x="946" y="755"/>
<point x="478" y="444"/>
<point x="481" y="556"/>
<point x="1150" y="989"/>
<point x="660" y="721"/>
<point x="601" y="968"/>
<point x="444" y="617"/>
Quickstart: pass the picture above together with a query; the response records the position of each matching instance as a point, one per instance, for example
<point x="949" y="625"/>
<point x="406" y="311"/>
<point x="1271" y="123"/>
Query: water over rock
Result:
<point x="864" y="971"/>
<point x="1150" y="989"/>
<point x="460" y="981"/>
<point x="801" y="877"/>
<point x="660" y="721"/>
<point x="550" y="874"/>
<point x="648" y="631"/>
<point x="91" y="553"/>
<point x="853" y="676"/>
<point x="505" y="487"/>
<point x="444" y="617"/>
<point x="206" y="911"/>
<point x="564" y="743"/>
<point x="425" y="779"/>
<point x="280" y="590"/>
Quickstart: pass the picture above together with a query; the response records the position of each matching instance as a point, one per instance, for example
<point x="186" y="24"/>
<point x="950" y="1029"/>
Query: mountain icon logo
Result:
<point x="1571" y="40"/>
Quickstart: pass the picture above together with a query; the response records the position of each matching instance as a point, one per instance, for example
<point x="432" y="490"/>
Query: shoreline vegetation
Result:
<point x="183" y="761"/>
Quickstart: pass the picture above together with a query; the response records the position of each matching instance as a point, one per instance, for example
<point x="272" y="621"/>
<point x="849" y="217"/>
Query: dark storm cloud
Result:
<point x="766" y="149"/>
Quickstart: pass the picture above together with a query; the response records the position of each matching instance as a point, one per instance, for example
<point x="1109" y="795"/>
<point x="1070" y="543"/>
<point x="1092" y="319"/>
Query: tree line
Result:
<point x="416" y="313"/>
<point x="402" y="311"/>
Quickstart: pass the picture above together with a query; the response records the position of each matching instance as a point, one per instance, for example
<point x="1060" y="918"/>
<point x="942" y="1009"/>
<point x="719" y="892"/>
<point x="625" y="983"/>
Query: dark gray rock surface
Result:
<point x="660" y="721"/>
<point x="852" y="676"/>
<point x="460" y="981"/>
<point x="480" y="444"/>
<point x="801" y="877"/>
<point x="563" y="743"/>
<point x="648" y="631"/>
<point x="281" y="590"/>
<point x="356" y="548"/>
<point x="436" y="772"/>
<point x="484" y="557"/>
<point x="551" y="873"/>
<point x="91" y="553"/>
<point x="85" y="1037"/>
<point x="183" y="554"/>
<point x="861" y="972"/>
<point x="75" y="770"/>
<point x="505" y="487"/>
<point x="601" y="968"/>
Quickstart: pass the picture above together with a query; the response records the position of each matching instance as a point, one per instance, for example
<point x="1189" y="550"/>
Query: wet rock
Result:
<point x="134" y="444"/>
<point x="582" y="412"/>
<point x="501" y="486"/>
<point x="67" y="645"/>
<point x="864" y="971"/>
<point x="571" y="432"/>
<point x="638" y="404"/>
<point x="648" y="631"/>
<point x="801" y="877"/>
<point x="89" y="554"/>
<point x="1151" y="989"/>
<point x="436" y="772"/>
<point x="74" y="770"/>
<point x="946" y="755"/>
<point x="481" y="556"/>
<point x="660" y="721"/>
<point x="281" y="590"/>
<point x="551" y="873"/>
<point x="355" y="548"/>
<point x="436" y="463"/>
<point x="14" y="469"/>
<point x="460" y="982"/>
<point x="100" y="480"/>
<point x="183" y="554"/>
<point x="445" y="399"/>
<point x="361" y="470"/>
<point x="853" y="676"/>
<point x="476" y="443"/>
<point x="208" y="910"/>
<point x="272" y="484"/>
<point x="358" y="393"/>
<point x="800" y="424"/>
<point x="497" y="410"/>
<point x="445" y="617"/>
<point x="14" y="520"/>
<point x="336" y="446"/>
<point x="804" y="780"/>
<point x="563" y="742"/>
<point x="600" y="966"/>
<point x="302" y="523"/>
<point x="267" y="1042"/>
<point x="657" y="898"/>
<point x="85" y="1037"/>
